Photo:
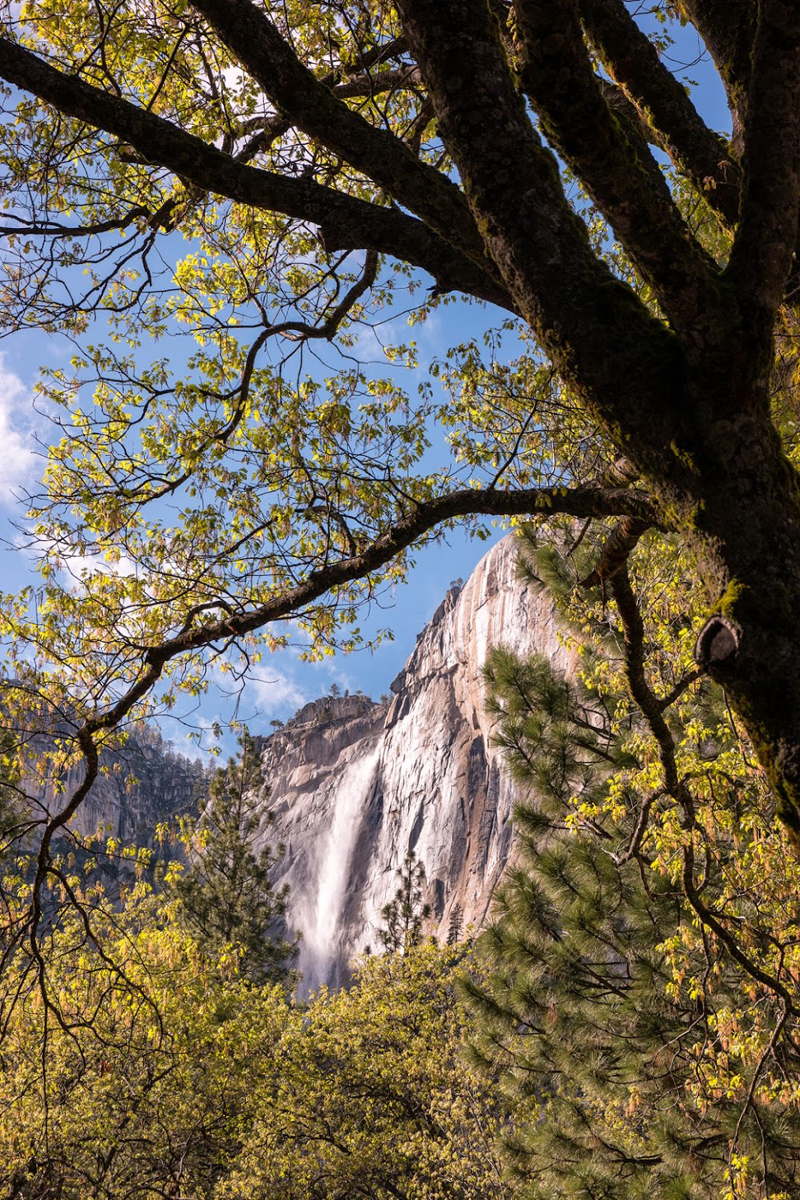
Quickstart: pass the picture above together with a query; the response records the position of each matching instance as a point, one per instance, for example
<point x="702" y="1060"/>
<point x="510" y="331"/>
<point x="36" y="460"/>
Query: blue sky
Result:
<point x="281" y="682"/>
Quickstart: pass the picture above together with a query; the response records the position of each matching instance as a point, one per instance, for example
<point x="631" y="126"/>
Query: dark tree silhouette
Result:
<point x="226" y="893"/>
<point x="403" y="917"/>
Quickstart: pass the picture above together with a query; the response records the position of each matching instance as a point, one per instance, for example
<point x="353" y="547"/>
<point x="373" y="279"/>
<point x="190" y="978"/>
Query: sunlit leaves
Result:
<point x="645" y="947"/>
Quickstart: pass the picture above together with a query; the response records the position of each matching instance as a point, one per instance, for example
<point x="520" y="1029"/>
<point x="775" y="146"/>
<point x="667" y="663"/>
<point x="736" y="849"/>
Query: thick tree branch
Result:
<point x="579" y="502"/>
<point x="622" y="361"/>
<point x="382" y="81"/>
<point x="383" y="52"/>
<point x="663" y="104"/>
<point x="426" y="515"/>
<point x="317" y="111"/>
<point x="645" y="698"/>
<point x="727" y="28"/>
<point x="766" y="238"/>
<point x="345" y="222"/>
<point x="621" y="175"/>
<point x="620" y="543"/>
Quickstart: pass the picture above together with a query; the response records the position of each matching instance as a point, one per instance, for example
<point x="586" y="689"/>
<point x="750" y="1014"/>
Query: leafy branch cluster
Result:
<point x="644" y="945"/>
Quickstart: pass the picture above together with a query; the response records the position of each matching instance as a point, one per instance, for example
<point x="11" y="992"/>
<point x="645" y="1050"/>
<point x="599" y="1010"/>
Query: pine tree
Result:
<point x="226" y="895"/>
<point x="403" y="916"/>
<point x="643" y="1011"/>
<point x="455" y="926"/>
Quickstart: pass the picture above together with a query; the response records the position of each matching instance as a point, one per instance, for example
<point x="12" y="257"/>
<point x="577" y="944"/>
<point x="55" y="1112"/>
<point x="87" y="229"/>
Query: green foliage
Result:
<point x="403" y="917"/>
<point x="645" y="953"/>
<point x="166" y="1073"/>
<point x="13" y="824"/>
<point x="641" y="979"/>
<point x="226" y="896"/>
<point x="138" y="1086"/>
<point x="205" y="460"/>
<point x="375" y="1099"/>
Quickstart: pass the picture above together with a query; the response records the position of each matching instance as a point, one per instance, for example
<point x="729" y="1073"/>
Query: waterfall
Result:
<point x="323" y="929"/>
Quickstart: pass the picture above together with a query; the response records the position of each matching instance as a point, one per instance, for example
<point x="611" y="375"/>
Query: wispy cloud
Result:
<point x="261" y="693"/>
<point x="273" y="692"/>
<point x="18" y="463"/>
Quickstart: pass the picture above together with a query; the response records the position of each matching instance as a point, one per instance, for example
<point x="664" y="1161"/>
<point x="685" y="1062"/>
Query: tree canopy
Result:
<point x="216" y="1088"/>
<point x="270" y="182"/>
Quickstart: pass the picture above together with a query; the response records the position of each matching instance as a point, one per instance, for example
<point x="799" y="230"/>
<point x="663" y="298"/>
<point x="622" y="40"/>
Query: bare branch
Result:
<point x="640" y="828"/>
<point x="56" y="229"/>
<point x="298" y="329"/>
<point x="345" y="222"/>
<point x="680" y="687"/>
<point x="645" y="698"/>
<point x="712" y="920"/>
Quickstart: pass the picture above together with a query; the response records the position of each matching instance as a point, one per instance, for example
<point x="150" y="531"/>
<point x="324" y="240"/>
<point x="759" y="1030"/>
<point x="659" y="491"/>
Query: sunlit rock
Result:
<point x="356" y="784"/>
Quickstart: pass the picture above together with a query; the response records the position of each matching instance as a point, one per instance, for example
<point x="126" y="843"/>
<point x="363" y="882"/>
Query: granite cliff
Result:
<point x="355" y="784"/>
<point x="140" y="786"/>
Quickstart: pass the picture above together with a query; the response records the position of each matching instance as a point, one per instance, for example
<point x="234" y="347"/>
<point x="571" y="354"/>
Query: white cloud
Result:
<point x="369" y="346"/>
<point x="77" y="565"/>
<point x="265" y="691"/>
<point x="18" y="463"/>
<point x="272" y="693"/>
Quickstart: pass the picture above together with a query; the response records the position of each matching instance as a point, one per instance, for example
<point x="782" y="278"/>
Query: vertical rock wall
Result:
<point x="355" y="784"/>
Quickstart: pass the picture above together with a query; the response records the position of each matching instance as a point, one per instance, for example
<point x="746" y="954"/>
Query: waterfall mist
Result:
<point x="321" y="932"/>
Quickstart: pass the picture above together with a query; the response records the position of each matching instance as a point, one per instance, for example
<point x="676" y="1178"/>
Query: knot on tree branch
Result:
<point x="718" y="644"/>
<point x="620" y="473"/>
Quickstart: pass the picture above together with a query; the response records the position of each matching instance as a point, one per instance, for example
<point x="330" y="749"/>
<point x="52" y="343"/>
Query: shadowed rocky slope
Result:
<point x="140" y="786"/>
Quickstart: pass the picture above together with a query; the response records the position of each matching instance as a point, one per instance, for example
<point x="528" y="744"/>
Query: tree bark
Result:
<point x="691" y="414"/>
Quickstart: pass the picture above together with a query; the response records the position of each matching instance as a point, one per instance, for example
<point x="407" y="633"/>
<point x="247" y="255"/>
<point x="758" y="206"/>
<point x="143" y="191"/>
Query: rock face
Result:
<point x="355" y="784"/>
<point x="140" y="786"/>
